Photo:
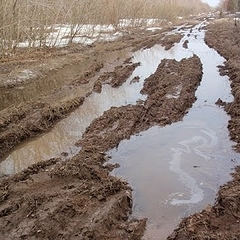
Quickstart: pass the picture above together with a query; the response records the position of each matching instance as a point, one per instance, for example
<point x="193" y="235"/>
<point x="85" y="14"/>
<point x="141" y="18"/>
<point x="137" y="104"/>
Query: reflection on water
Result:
<point x="176" y="170"/>
<point x="66" y="133"/>
<point x="54" y="80"/>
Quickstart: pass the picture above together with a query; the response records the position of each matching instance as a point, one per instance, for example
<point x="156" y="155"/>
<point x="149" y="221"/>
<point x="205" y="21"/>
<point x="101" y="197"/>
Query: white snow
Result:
<point x="61" y="35"/>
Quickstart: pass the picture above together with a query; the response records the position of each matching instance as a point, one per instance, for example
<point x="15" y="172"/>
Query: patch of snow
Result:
<point x="153" y="29"/>
<point x="61" y="35"/>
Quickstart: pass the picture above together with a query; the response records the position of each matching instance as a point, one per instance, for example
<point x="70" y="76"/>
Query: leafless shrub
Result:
<point x="42" y="23"/>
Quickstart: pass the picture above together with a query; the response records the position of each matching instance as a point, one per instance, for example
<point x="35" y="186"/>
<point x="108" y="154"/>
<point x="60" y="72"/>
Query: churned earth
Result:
<point x="77" y="198"/>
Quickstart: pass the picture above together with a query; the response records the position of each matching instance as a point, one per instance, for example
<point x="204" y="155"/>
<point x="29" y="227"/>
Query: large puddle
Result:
<point x="175" y="170"/>
<point x="64" y="135"/>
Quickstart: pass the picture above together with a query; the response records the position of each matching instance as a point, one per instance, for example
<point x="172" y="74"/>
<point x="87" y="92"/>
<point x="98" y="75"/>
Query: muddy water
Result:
<point x="65" y="134"/>
<point x="36" y="88"/>
<point x="45" y="85"/>
<point x="176" y="170"/>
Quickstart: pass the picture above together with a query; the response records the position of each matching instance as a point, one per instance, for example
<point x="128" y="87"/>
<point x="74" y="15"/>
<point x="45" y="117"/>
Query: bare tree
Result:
<point x="35" y="21"/>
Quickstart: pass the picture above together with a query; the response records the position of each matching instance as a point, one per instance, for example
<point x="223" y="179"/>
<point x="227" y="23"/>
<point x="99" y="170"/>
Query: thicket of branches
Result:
<point x="230" y="5"/>
<point x="33" y="20"/>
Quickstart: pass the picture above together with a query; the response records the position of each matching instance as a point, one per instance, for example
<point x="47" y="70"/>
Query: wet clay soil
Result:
<point x="78" y="198"/>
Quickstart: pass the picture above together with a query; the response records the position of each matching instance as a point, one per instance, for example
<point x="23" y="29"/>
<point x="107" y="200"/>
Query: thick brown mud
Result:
<point x="80" y="191"/>
<point x="24" y="121"/>
<point x="120" y="123"/>
<point x="40" y="87"/>
<point x="117" y="77"/>
<point x="20" y="123"/>
<point x="76" y="199"/>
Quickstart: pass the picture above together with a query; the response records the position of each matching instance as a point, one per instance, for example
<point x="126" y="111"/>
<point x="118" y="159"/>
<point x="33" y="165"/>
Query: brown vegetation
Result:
<point x="230" y="5"/>
<point x="33" y="22"/>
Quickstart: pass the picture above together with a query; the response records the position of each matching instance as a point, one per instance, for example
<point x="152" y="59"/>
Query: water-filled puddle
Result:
<point x="51" y="82"/>
<point x="66" y="133"/>
<point x="175" y="170"/>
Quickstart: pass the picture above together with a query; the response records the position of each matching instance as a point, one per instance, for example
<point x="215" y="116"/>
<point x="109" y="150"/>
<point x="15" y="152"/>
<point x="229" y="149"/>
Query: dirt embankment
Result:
<point x="221" y="221"/>
<point x="77" y="198"/>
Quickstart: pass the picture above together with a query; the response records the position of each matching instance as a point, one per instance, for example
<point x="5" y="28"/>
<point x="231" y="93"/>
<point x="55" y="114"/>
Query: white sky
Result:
<point x="212" y="3"/>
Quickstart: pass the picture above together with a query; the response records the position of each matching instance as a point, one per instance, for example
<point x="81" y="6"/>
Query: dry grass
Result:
<point x="32" y="21"/>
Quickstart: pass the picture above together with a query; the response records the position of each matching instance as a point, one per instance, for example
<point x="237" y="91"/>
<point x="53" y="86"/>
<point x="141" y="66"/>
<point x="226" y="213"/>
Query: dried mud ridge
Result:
<point x="221" y="221"/>
<point x="77" y="198"/>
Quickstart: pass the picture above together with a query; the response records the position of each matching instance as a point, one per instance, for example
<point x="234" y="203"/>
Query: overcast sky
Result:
<point x="212" y="3"/>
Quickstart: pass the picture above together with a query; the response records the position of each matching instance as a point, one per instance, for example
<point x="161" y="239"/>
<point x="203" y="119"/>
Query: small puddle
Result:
<point x="53" y="81"/>
<point x="176" y="170"/>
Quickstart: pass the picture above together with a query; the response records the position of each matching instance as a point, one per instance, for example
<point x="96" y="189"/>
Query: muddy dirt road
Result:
<point x="73" y="195"/>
